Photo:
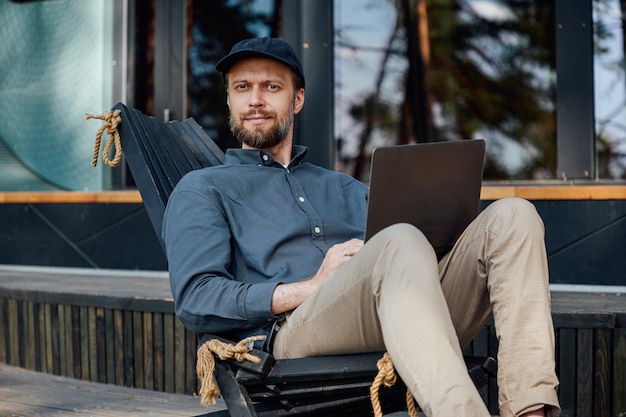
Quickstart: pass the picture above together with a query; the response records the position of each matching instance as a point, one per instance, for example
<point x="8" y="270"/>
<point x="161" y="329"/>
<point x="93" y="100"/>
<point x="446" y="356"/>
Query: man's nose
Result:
<point x="256" y="98"/>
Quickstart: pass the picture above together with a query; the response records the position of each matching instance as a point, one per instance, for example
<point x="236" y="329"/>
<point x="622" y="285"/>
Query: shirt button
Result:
<point x="317" y="230"/>
<point x="301" y="199"/>
<point x="265" y="157"/>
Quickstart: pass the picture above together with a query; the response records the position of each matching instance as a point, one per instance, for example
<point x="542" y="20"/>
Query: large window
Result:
<point x="417" y="71"/>
<point x="55" y="66"/>
<point x="429" y="70"/>
<point x="405" y="71"/>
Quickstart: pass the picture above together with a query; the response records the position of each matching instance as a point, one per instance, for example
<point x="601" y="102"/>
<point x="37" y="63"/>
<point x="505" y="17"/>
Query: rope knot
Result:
<point x="205" y="365"/>
<point x="387" y="376"/>
<point x="111" y="121"/>
<point x="387" y="371"/>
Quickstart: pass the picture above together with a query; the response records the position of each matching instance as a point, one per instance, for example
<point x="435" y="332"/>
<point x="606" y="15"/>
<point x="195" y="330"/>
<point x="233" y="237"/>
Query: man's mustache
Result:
<point x="257" y="113"/>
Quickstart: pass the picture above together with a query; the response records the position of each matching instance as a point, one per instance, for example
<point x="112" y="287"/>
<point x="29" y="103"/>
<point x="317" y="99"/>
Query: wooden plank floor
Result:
<point x="26" y="393"/>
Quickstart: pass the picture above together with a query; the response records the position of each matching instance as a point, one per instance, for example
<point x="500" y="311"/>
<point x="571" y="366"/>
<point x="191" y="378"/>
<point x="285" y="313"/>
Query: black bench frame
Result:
<point x="158" y="155"/>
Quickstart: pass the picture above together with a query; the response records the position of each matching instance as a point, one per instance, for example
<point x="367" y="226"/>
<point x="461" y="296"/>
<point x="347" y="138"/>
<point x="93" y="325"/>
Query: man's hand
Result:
<point x="287" y="297"/>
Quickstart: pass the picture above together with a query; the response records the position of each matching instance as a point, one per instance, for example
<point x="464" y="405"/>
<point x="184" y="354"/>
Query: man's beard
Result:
<point x="258" y="138"/>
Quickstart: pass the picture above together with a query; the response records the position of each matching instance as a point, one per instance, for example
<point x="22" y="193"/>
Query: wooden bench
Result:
<point x="159" y="154"/>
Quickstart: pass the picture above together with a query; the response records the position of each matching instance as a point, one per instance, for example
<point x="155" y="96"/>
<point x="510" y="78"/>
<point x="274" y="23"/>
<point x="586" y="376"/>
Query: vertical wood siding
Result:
<point x="150" y="350"/>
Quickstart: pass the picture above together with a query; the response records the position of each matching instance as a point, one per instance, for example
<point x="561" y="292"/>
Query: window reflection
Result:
<point x="55" y="60"/>
<point x="610" y="88"/>
<point x="417" y="71"/>
<point x="431" y="70"/>
<point x="214" y="30"/>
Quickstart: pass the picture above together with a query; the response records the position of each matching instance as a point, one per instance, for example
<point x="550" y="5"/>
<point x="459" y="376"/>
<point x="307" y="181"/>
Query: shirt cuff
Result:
<point x="259" y="301"/>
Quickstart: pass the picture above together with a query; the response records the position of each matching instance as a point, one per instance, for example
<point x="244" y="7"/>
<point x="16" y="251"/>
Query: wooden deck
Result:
<point x="35" y="394"/>
<point x="26" y="393"/>
<point x="118" y="328"/>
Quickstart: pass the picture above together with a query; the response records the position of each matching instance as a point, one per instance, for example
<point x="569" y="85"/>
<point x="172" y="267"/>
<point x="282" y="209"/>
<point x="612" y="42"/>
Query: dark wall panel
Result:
<point x="79" y="235"/>
<point x="27" y="238"/>
<point x="586" y="240"/>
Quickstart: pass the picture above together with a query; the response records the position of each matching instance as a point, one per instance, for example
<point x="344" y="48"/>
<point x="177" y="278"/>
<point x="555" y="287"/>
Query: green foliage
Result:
<point x="486" y="73"/>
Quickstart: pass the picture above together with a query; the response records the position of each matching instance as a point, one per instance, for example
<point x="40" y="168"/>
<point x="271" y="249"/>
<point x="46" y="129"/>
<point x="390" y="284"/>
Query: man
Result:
<point x="268" y="238"/>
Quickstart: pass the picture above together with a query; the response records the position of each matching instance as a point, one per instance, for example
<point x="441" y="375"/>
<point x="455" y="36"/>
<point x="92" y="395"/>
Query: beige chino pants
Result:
<point x="393" y="295"/>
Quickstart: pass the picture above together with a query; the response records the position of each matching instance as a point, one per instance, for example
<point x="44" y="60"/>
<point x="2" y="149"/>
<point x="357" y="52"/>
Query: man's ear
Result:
<point x="299" y="101"/>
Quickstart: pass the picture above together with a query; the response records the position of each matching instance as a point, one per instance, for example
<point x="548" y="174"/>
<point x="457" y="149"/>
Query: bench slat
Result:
<point x="160" y="154"/>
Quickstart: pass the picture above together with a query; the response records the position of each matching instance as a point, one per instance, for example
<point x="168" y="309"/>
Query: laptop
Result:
<point x="434" y="186"/>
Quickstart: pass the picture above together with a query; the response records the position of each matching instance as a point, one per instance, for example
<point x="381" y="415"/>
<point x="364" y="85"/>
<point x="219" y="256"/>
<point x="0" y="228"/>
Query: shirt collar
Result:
<point x="236" y="156"/>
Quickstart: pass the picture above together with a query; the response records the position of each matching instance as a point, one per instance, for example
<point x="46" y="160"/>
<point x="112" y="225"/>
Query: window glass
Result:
<point x="610" y="88"/>
<point x="214" y="30"/>
<point x="447" y="69"/>
<point x="55" y="66"/>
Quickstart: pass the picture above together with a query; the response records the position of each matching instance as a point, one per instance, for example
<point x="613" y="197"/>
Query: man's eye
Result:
<point x="272" y="87"/>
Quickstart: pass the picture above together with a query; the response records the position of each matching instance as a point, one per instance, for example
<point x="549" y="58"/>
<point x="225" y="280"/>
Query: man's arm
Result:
<point x="207" y="297"/>
<point x="288" y="297"/>
<point x="204" y="258"/>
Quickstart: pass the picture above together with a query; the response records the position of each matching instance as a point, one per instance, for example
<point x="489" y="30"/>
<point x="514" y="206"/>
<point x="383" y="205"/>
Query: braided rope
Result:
<point x="205" y="365"/>
<point x="111" y="120"/>
<point x="411" y="405"/>
<point x="387" y="376"/>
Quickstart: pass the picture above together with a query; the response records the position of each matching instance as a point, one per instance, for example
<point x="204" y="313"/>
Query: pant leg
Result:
<point x="389" y="297"/>
<point x="500" y="260"/>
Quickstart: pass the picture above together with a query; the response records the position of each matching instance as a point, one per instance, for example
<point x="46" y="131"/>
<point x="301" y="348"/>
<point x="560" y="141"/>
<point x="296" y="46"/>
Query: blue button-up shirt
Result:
<point x="234" y="232"/>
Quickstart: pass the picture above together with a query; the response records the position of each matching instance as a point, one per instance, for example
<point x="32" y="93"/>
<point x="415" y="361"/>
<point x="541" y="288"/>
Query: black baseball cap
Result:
<point x="273" y="48"/>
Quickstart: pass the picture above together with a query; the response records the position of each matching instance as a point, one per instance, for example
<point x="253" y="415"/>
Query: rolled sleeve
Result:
<point x="258" y="301"/>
